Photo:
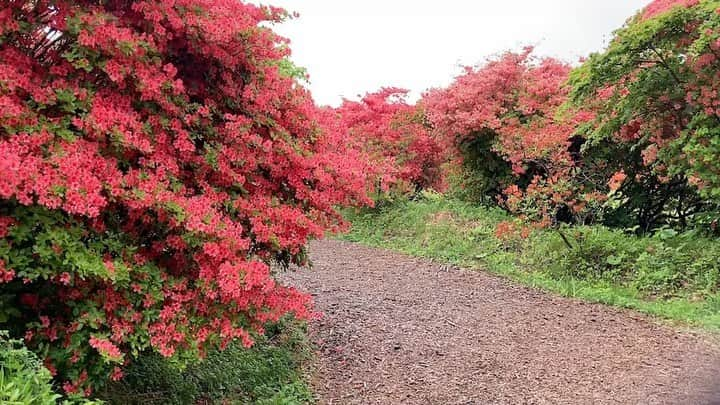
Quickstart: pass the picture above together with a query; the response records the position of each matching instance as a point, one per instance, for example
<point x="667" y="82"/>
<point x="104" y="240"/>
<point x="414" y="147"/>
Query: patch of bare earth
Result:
<point x="399" y="330"/>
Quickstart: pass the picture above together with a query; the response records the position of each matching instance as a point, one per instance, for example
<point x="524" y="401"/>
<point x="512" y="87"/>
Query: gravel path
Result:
<point x="399" y="330"/>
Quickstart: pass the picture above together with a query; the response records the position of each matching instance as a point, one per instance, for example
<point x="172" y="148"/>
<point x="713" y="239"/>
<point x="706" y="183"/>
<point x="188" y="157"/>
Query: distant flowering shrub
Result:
<point x="396" y="139"/>
<point x="505" y="121"/>
<point x="154" y="157"/>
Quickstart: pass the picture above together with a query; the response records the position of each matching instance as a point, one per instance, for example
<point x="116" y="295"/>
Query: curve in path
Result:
<point x="399" y="330"/>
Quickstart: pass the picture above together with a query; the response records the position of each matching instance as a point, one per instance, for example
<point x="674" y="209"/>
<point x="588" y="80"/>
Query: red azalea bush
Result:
<point x="154" y="160"/>
<point x="506" y="123"/>
<point x="395" y="139"/>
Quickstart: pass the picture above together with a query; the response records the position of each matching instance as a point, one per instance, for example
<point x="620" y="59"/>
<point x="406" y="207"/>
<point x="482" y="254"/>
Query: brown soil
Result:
<point x="398" y="330"/>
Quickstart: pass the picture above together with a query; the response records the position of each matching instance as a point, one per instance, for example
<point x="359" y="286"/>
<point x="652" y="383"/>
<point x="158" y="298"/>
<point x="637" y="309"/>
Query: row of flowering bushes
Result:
<point x="631" y="138"/>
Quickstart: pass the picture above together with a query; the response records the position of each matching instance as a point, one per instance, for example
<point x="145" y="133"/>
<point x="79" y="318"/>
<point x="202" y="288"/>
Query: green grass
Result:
<point x="269" y="373"/>
<point x="674" y="277"/>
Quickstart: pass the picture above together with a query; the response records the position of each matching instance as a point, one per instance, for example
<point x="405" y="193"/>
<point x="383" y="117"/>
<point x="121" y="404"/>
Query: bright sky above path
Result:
<point x="351" y="47"/>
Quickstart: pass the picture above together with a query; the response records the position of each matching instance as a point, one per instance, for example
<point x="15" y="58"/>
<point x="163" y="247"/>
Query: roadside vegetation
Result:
<point x="600" y="182"/>
<point x="671" y="275"/>
<point x="272" y="372"/>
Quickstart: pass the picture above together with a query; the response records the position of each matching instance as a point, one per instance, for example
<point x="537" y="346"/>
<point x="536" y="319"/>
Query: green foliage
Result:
<point x="45" y="244"/>
<point x="23" y="378"/>
<point x="670" y="275"/>
<point x="484" y="172"/>
<point x="289" y="69"/>
<point x="664" y="265"/>
<point x="654" y="95"/>
<point x="268" y="373"/>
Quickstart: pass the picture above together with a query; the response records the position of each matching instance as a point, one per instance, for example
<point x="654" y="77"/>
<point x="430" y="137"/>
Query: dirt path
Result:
<point x="399" y="330"/>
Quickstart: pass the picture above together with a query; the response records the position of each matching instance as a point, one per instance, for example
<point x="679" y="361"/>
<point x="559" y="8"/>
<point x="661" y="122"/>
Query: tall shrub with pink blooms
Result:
<point x="505" y="122"/>
<point x="153" y="159"/>
<point x="396" y="139"/>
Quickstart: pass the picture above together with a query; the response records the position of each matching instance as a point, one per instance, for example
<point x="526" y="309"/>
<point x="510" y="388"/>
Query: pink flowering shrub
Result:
<point x="505" y="122"/>
<point x="658" y="7"/>
<point x="154" y="159"/>
<point x="395" y="138"/>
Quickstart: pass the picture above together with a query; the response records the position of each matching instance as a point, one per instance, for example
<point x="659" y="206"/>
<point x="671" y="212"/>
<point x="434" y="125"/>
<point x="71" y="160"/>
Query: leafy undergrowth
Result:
<point x="672" y="276"/>
<point x="23" y="379"/>
<point x="268" y="373"/>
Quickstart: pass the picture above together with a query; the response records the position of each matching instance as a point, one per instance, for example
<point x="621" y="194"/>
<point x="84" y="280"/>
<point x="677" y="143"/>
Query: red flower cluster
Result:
<point x="106" y="348"/>
<point x="658" y="7"/>
<point x="395" y="139"/>
<point x="6" y="275"/>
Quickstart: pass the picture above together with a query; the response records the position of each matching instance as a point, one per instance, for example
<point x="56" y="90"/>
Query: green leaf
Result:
<point x="614" y="260"/>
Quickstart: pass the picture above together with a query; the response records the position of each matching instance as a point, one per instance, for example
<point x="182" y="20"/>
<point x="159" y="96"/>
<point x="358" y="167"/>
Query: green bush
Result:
<point x="681" y="263"/>
<point x="666" y="264"/>
<point x="597" y="253"/>
<point x="23" y="378"/>
<point x="268" y="373"/>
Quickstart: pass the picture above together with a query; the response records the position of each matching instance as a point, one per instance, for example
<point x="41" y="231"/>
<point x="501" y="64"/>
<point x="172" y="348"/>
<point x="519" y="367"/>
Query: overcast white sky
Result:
<point x="352" y="47"/>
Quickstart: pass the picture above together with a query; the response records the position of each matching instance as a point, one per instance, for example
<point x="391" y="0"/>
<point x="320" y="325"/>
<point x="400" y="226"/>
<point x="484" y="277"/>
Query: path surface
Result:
<point x="398" y="330"/>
